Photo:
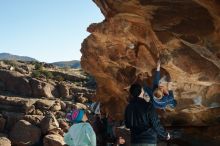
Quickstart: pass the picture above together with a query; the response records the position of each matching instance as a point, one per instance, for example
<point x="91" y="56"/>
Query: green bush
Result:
<point x="38" y="66"/>
<point x="36" y="74"/>
<point x="59" y="78"/>
<point x="48" y="74"/>
<point x="10" y="62"/>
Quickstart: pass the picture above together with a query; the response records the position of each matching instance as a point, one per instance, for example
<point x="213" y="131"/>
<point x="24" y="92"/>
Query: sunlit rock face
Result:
<point x="184" y="33"/>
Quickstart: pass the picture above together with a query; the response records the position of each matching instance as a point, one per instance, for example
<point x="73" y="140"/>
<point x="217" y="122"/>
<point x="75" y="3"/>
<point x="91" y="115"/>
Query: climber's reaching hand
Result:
<point x="158" y="65"/>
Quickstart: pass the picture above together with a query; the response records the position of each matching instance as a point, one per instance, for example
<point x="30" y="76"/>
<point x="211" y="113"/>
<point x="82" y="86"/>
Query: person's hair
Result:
<point x="158" y="93"/>
<point x="135" y="90"/>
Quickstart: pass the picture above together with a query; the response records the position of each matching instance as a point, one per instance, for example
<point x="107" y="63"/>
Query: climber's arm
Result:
<point x="157" y="76"/>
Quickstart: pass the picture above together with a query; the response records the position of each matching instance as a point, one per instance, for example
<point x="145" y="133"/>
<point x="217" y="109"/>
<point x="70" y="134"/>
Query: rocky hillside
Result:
<point x="36" y="79"/>
<point x="70" y="64"/>
<point x="34" y="99"/>
<point x="67" y="64"/>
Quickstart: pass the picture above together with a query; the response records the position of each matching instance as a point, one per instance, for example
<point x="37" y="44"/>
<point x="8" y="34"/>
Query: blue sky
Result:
<point x="48" y="30"/>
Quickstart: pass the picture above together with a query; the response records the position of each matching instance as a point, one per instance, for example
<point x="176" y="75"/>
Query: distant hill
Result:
<point x="7" y="56"/>
<point x="71" y="64"/>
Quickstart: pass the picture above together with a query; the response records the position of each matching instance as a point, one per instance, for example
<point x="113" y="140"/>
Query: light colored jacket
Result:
<point x="80" y="134"/>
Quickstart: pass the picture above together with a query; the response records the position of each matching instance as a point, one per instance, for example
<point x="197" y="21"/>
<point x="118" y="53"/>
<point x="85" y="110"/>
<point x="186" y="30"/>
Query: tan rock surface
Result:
<point x="44" y="104"/>
<point x="12" y="118"/>
<point x="49" y="124"/>
<point x="15" y="82"/>
<point x="63" y="90"/>
<point x="25" y="134"/>
<point x="53" y="140"/>
<point x="34" y="119"/>
<point x="43" y="89"/>
<point x="16" y="104"/>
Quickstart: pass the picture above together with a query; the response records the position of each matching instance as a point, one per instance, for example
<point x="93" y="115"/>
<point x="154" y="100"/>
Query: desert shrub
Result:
<point x="48" y="74"/>
<point x="36" y="74"/>
<point x="11" y="63"/>
<point x="39" y="73"/>
<point x="59" y="78"/>
<point x="38" y="66"/>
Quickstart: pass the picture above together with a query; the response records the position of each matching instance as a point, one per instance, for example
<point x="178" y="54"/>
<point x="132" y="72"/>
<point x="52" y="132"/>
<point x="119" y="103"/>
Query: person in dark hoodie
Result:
<point x="142" y="120"/>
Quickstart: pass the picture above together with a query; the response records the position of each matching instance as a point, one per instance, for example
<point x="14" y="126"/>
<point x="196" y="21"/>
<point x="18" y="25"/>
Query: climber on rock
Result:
<point x="160" y="94"/>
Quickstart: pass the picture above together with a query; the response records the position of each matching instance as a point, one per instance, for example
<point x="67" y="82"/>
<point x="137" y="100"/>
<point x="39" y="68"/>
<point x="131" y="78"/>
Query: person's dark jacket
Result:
<point x="142" y="119"/>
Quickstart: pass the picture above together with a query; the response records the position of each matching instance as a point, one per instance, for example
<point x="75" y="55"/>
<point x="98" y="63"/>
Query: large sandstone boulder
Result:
<point x="16" y="104"/>
<point x="43" y="89"/>
<point x="185" y="34"/>
<point x="25" y="134"/>
<point x="33" y="119"/>
<point x="45" y="104"/>
<point x="53" y="140"/>
<point x="15" y="82"/>
<point x="12" y="118"/>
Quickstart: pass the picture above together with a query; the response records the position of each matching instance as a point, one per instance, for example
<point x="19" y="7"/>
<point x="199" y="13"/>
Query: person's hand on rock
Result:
<point x="158" y="65"/>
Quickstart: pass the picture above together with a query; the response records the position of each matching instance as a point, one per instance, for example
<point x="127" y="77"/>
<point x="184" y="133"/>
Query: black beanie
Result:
<point x="135" y="90"/>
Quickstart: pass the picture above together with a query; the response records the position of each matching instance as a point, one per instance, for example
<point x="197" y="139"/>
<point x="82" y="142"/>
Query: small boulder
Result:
<point x="79" y="106"/>
<point x="82" y="99"/>
<point x="60" y="115"/>
<point x="12" y="119"/>
<point x="20" y="70"/>
<point x="56" y="106"/>
<point x="63" y="90"/>
<point x="63" y="105"/>
<point x="42" y="89"/>
<point x="33" y="119"/>
<point x="38" y="112"/>
<point x="49" y="124"/>
<point x="53" y="140"/>
<point x="44" y="104"/>
<point x="25" y="134"/>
